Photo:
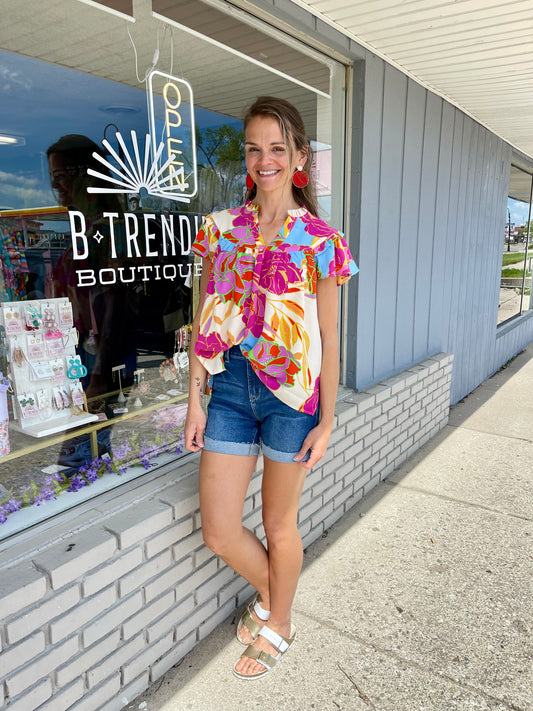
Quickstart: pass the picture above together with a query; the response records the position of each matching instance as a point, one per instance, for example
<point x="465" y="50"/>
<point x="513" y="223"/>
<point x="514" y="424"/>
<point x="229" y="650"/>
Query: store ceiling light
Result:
<point x="119" y="109"/>
<point x="7" y="139"/>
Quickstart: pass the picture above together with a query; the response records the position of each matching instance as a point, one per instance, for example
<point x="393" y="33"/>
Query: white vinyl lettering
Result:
<point x="132" y="232"/>
<point x="86" y="277"/>
<point x="78" y="227"/>
<point x="112" y="280"/>
<point x="185" y="227"/>
<point x="167" y="226"/>
<point x="112" y="216"/>
<point x="149" y="236"/>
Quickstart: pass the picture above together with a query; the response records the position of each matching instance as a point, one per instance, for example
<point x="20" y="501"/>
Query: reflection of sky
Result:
<point x="43" y="102"/>
<point x="519" y="211"/>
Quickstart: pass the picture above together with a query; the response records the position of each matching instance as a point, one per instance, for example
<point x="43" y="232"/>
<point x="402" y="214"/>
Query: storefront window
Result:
<point x="515" y="285"/>
<point x="98" y="285"/>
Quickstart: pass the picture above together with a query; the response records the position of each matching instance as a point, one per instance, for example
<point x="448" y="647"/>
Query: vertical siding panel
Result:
<point x="461" y="268"/>
<point x="437" y="307"/>
<point x="475" y="337"/>
<point x="503" y="169"/>
<point x="370" y="198"/>
<point x="491" y="240"/>
<point x="499" y="219"/>
<point x="408" y="236"/>
<point x="393" y="127"/>
<point x="468" y="256"/>
<point x="488" y="237"/>
<point x="426" y="223"/>
<point x="433" y="195"/>
<point x="452" y="246"/>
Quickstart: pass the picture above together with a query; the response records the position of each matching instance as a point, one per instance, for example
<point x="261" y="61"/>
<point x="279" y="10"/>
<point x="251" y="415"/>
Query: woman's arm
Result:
<point x="196" y="419"/>
<point x="327" y="306"/>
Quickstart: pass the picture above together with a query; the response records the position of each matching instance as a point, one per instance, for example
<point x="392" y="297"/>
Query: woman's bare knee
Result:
<point x="279" y="533"/>
<point x="221" y="541"/>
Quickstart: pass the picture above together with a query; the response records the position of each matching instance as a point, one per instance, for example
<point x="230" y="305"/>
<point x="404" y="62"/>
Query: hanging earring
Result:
<point x="249" y="181"/>
<point x="300" y="177"/>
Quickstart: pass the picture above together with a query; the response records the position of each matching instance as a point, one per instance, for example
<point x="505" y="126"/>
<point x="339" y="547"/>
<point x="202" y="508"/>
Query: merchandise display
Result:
<point x="45" y="370"/>
<point x="4" y="416"/>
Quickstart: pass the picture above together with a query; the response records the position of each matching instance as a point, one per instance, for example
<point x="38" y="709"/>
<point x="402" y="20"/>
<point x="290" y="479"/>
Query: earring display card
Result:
<point x="45" y="369"/>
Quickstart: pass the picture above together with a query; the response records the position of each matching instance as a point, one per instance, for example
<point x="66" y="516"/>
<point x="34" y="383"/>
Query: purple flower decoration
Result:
<point x="121" y="451"/>
<point x="12" y="505"/>
<point x="76" y="483"/>
<point x="146" y="451"/>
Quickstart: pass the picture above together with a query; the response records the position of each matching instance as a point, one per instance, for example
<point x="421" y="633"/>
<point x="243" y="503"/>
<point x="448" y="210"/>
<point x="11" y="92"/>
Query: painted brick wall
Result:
<point x="91" y="620"/>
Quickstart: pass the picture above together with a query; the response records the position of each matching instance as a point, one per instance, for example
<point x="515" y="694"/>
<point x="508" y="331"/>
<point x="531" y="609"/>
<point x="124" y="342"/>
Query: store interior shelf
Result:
<point x="90" y="429"/>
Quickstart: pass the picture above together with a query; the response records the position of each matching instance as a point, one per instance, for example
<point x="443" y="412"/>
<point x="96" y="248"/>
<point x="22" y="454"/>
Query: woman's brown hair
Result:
<point x="293" y="129"/>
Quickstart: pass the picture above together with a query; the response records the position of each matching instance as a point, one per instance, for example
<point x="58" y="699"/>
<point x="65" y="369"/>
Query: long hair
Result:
<point x="293" y="130"/>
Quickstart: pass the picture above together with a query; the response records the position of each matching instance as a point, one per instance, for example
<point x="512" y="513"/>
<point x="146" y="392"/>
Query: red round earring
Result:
<point x="300" y="177"/>
<point x="249" y="181"/>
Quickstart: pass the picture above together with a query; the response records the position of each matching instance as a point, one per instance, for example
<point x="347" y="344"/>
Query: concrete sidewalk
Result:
<point x="420" y="598"/>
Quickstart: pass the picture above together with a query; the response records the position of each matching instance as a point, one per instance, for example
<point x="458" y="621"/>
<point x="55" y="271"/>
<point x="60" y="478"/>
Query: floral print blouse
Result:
<point x="263" y="297"/>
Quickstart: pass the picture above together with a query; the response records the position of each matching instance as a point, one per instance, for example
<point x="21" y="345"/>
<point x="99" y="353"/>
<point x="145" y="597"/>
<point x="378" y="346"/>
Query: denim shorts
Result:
<point x="245" y="417"/>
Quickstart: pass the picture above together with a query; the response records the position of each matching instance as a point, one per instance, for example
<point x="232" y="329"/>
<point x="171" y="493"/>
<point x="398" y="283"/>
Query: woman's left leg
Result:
<point x="281" y="491"/>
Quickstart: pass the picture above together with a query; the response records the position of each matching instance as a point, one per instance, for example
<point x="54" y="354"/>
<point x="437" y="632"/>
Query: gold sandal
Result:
<point x="280" y="644"/>
<point x="248" y="621"/>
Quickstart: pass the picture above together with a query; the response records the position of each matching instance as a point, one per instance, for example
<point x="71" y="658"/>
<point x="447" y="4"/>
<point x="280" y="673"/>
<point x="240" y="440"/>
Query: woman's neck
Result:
<point x="275" y="206"/>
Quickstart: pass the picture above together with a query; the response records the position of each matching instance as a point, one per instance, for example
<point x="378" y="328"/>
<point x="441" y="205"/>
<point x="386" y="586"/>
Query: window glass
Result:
<point x="97" y="283"/>
<point x="515" y="285"/>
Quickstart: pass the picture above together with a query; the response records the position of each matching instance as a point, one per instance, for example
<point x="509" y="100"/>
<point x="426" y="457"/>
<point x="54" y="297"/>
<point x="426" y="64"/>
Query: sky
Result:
<point x="41" y="102"/>
<point x="519" y="211"/>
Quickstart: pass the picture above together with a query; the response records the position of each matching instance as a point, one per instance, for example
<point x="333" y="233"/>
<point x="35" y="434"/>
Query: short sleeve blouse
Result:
<point x="263" y="297"/>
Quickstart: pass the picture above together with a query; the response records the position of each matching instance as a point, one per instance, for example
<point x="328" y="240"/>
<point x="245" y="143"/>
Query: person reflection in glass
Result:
<point x="105" y="316"/>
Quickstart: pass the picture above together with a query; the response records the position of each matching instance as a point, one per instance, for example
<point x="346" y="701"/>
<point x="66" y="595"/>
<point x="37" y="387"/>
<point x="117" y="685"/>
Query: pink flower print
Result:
<point x="254" y="314"/>
<point x="311" y="403"/>
<point x="209" y="346"/>
<point x="244" y="218"/>
<point x="232" y="275"/>
<point x="240" y="234"/>
<point x="274" y="365"/>
<point x="277" y="272"/>
<point x="316" y="227"/>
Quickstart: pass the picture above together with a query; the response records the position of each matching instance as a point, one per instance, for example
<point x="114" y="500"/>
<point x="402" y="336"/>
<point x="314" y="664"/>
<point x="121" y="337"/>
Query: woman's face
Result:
<point x="267" y="157"/>
<point x="61" y="178"/>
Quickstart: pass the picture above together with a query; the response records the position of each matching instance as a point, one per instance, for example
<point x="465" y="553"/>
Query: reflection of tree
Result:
<point x="219" y="154"/>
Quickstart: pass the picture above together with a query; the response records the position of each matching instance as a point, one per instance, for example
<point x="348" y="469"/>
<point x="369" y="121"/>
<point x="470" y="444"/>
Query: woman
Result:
<point x="267" y="334"/>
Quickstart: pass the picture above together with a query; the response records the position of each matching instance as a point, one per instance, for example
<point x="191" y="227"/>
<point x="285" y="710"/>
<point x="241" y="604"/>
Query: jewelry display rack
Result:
<point x="45" y="370"/>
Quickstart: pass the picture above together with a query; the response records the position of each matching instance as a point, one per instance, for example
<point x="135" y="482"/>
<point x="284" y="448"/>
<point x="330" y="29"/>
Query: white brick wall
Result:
<point x="89" y="621"/>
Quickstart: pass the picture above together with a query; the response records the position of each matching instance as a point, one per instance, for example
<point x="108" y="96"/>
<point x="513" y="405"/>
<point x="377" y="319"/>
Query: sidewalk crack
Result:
<point x="453" y="499"/>
<point x="463" y="426"/>
<point x="409" y="662"/>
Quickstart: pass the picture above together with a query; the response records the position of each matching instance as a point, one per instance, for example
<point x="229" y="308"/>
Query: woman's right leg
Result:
<point x="224" y="481"/>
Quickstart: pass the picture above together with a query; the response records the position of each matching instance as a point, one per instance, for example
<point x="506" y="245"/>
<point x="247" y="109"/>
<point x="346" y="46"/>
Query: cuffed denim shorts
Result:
<point x="245" y="417"/>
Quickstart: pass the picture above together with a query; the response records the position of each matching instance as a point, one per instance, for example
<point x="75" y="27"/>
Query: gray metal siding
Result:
<point x="426" y="215"/>
<point x="433" y="198"/>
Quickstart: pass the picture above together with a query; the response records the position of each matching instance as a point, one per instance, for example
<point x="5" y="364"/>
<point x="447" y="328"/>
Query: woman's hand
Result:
<point x="316" y="441"/>
<point x="195" y="423"/>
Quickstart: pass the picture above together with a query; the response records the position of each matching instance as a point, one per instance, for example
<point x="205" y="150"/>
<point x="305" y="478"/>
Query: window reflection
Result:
<point x="517" y="258"/>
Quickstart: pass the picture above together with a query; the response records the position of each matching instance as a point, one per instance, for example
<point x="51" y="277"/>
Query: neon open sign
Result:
<point x="167" y="166"/>
<point x="174" y="117"/>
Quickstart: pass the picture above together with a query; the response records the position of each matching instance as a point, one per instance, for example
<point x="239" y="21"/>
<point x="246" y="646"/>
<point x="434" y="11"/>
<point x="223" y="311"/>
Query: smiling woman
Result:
<point x="84" y="235"/>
